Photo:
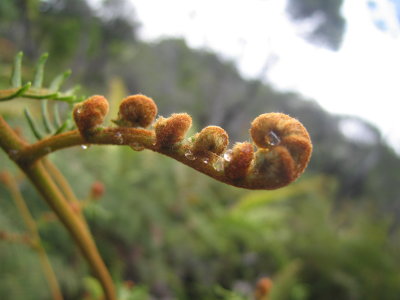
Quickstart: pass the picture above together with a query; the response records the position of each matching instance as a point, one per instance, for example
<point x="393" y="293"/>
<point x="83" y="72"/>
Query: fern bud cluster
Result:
<point x="280" y="151"/>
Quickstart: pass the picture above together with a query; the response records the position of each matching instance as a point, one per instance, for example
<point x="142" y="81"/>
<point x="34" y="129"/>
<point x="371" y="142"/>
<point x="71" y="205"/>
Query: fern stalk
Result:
<point x="44" y="184"/>
<point x="30" y="224"/>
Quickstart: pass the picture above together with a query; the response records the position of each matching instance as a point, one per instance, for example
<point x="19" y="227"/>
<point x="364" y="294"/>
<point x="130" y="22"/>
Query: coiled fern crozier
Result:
<point x="279" y="154"/>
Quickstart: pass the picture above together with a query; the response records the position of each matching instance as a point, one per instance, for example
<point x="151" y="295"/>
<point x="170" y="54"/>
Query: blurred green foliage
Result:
<point x="167" y="232"/>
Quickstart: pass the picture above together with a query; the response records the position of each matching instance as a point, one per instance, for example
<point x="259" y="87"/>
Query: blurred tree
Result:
<point x="76" y="34"/>
<point x="324" y="16"/>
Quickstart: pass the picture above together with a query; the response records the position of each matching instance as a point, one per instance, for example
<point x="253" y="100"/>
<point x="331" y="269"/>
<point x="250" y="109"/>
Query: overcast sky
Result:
<point x="362" y="78"/>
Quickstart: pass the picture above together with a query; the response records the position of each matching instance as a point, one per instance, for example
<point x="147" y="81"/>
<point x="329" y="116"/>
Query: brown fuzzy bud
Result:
<point x="285" y="150"/>
<point x="129" y="284"/>
<point x="136" y="110"/>
<point x="97" y="190"/>
<point x="238" y="160"/>
<point x="211" y="139"/>
<point x="263" y="289"/>
<point x="89" y="114"/>
<point x="171" y="130"/>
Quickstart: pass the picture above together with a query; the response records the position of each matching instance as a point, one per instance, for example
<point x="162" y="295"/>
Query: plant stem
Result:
<point x="61" y="181"/>
<point x="77" y="228"/>
<point x="111" y="136"/>
<point x="44" y="184"/>
<point x="65" y="188"/>
<point x="115" y="136"/>
<point x="30" y="224"/>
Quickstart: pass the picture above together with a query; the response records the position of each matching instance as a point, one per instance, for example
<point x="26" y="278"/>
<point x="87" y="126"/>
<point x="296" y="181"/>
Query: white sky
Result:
<point x="360" y="79"/>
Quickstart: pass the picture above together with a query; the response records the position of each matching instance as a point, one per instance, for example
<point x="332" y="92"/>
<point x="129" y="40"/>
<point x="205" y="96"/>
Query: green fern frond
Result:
<point x="16" y="71"/>
<point x="32" y="125"/>
<point x="39" y="71"/>
<point x="36" y="89"/>
<point x="52" y="123"/>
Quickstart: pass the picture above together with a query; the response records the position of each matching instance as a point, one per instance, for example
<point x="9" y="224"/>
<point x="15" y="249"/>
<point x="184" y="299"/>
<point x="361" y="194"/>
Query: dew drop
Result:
<point x="119" y="138"/>
<point x="205" y="160"/>
<point x="137" y="146"/>
<point x="228" y="155"/>
<point x="219" y="164"/>
<point x="189" y="155"/>
<point x="13" y="153"/>
<point x="273" y="139"/>
<point x="47" y="150"/>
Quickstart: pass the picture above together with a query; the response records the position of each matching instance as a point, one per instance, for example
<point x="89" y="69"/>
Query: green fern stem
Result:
<point x="27" y="91"/>
<point x="45" y="185"/>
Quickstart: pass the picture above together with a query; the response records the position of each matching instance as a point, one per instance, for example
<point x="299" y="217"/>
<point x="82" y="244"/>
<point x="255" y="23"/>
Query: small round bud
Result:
<point x="211" y="139"/>
<point x="129" y="284"/>
<point x="97" y="190"/>
<point x="172" y="130"/>
<point x="263" y="288"/>
<point x="89" y="114"/>
<point x="137" y="110"/>
<point x="239" y="161"/>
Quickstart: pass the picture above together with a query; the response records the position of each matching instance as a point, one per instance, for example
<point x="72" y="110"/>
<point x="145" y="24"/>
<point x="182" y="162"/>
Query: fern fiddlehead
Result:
<point x="279" y="154"/>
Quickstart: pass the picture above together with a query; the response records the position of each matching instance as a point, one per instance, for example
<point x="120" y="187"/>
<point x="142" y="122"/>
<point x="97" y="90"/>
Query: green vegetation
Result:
<point x="166" y="231"/>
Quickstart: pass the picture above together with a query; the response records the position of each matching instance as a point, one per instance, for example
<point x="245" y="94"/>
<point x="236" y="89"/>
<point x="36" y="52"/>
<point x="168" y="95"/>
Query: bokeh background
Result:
<point x="168" y="232"/>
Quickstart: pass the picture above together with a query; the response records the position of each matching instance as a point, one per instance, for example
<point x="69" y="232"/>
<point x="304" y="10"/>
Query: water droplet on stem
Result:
<point x="219" y="164"/>
<point x="228" y="155"/>
<point x="119" y="138"/>
<point x="137" y="146"/>
<point x="189" y="155"/>
<point x="13" y="153"/>
<point x="273" y="139"/>
<point x="47" y="150"/>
